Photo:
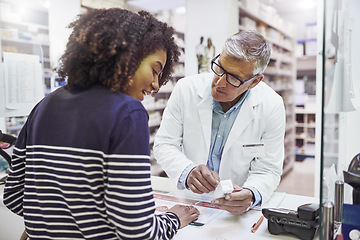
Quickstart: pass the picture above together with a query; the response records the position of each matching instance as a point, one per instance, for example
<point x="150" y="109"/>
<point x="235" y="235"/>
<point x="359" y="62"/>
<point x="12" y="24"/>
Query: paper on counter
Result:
<point x="274" y="202"/>
<point x="208" y="212"/>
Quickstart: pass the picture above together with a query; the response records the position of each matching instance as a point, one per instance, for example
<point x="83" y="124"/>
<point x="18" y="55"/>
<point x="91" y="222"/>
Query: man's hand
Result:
<point x="202" y="180"/>
<point x="236" y="202"/>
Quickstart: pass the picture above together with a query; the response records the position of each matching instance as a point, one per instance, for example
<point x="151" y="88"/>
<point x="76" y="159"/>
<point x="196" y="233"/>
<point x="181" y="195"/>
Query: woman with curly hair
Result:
<point x="81" y="164"/>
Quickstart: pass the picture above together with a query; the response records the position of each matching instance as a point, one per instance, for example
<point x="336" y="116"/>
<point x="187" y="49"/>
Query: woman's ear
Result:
<point x="256" y="80"/>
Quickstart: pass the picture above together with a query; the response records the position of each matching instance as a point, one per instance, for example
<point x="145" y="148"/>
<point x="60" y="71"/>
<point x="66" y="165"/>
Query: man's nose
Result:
<point x="221" y="82"/>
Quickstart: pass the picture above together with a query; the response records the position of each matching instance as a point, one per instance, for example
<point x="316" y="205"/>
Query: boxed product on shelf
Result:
<point x="290" y="29"/>
<point x="280" y="23"/>
<point x="271" y="69"/>
<point x="10" y="48"/>
<point x="161" y="103"/>
<point x="152" y="137"/>
<point x="168" y="87"/>
<point x="251" y="5"/>
<point x="285" y="42"/>
<point x="179" y="41"/>
<point x="154" y="119"/>
<point x="262" y="28"/>
<point x="300" y="49"/>
<point x="275" y="52"/>
<point x="9" y="34"/>
<point x="273" y="35"/>
<point x="310" y="47"/>
<point x="25" y="36"/>
<point x="182" y="55"/>
<point x="269" y="14"/>
<point x="286" y="57"/>
<point x="148" y="102"/>
<point x="278" y="83"/>
<point x="286" y="67"/>
<point x="310" y="102"/>
<point x="248" y="23"/>
<point x="179" y="70"/>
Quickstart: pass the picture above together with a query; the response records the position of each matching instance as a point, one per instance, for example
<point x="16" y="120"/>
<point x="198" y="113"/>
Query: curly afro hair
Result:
<point x="107" y="46"/>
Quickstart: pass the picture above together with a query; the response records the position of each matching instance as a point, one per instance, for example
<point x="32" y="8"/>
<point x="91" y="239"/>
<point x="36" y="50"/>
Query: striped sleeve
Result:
<point x="130" y="204"/>
<point x="128" y="196"/>
<point x="14" y="187"/>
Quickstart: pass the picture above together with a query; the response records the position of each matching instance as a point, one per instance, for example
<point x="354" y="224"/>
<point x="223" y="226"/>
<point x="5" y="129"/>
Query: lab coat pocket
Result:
<point x="254" y="150"/>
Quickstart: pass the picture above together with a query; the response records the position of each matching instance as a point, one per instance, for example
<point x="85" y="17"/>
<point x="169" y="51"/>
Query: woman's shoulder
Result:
<point x="101" y="98"/>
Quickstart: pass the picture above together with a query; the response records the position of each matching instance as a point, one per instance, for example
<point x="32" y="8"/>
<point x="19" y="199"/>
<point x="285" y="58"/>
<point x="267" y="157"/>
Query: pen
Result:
<point x="257" y="224"/>
<point x="197" y="224"/>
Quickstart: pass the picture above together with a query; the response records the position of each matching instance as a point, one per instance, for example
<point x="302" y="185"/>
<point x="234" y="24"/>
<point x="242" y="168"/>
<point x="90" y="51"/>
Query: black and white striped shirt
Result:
<point x="81" y="170"/>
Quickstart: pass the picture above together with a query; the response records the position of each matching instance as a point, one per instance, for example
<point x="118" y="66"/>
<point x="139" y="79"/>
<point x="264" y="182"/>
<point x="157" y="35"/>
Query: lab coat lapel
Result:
<point x="242" y="121"/>
<point x="205" y="114"/>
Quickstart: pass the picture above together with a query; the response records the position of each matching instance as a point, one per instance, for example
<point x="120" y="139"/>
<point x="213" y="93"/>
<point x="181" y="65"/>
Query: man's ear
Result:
<point x="256" y="80"/>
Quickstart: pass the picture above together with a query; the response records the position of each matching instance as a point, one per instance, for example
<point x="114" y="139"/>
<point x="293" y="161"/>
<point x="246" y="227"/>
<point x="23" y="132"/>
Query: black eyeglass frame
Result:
<point x="225" y="72"/>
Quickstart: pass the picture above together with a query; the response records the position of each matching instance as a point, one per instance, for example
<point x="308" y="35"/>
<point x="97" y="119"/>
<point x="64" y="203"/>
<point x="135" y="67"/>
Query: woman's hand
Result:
<point x="186" y="214"/>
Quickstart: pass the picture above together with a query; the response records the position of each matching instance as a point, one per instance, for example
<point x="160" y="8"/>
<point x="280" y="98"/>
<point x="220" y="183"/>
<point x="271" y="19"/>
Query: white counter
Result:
<point x="225" y="226"/>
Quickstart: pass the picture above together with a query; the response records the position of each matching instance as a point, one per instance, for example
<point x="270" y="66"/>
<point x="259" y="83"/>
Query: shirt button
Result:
<point x="213" y="155"/>
<point x="219" y="136"/>
<point x="224" y="116"/>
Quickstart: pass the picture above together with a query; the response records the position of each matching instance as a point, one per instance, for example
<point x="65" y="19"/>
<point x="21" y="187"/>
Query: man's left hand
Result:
<point x="236" y="202"/>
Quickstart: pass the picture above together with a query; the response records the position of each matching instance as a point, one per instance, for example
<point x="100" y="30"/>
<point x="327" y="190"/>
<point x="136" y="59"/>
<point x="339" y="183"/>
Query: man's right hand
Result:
<point x="202" y="180"/>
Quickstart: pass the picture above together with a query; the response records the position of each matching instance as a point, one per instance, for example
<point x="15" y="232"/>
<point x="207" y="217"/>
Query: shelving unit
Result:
<point x="306" y="106"/>
<point x="305" y="133"/>
<point x="281" y="71"/>
<point x="306" y="70"/>
<point x="305" y="112"/>
<point x="27" y="34"/>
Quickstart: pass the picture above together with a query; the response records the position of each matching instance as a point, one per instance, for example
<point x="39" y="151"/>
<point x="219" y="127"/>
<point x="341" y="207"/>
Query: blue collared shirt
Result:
<point x="221" y="127"/>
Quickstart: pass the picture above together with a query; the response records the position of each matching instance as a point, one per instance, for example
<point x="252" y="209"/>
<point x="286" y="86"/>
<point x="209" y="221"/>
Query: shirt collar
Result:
<point x="217" y="106"/>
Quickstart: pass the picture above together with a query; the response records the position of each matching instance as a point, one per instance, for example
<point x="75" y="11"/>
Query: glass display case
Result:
<point x="339" y="119"/>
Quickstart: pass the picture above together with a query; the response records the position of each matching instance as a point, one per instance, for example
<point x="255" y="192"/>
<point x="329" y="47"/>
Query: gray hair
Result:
<point x="249" y="46"/>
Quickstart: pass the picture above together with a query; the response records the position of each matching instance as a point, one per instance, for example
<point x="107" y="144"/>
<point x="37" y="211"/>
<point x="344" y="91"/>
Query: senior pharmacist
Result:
<point x="228" y="124"/>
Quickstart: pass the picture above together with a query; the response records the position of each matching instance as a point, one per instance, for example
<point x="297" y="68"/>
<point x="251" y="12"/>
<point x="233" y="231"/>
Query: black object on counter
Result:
<point x="352" y="177"/>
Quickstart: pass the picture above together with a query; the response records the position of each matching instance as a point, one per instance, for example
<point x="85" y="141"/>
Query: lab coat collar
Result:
<point x="244" y="118"/>
<point x="205" y="112"/>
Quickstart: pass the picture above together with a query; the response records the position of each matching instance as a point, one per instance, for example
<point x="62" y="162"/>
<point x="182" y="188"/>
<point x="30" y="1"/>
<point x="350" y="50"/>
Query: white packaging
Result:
<point x="224" y="187"/>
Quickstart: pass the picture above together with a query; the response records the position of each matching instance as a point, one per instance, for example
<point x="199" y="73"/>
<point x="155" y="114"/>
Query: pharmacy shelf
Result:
<point x="305" y="132"/>
<point x="306" y="63"/>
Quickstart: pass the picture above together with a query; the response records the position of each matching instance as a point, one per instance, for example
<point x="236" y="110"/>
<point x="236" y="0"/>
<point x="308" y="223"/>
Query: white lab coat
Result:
<point x="185" y="132"/>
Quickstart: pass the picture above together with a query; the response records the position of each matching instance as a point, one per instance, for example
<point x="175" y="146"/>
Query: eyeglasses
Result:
<point x="231" y="79"/>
